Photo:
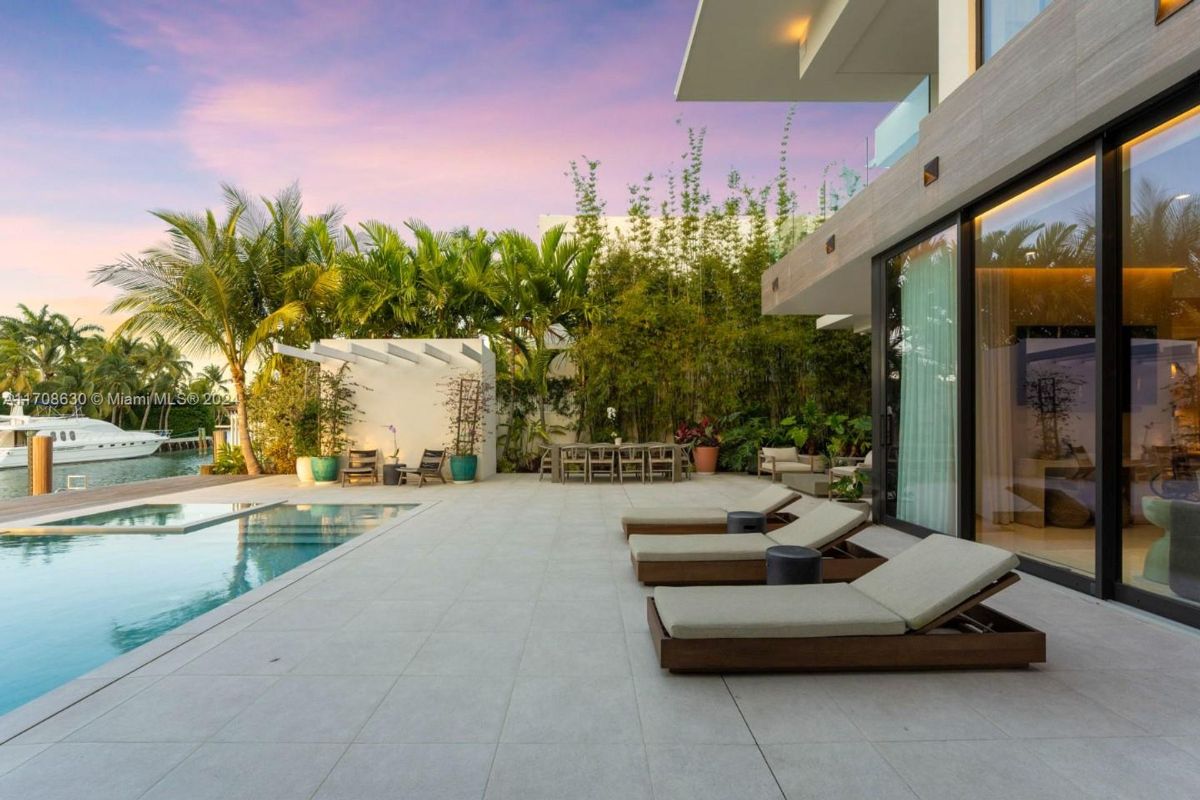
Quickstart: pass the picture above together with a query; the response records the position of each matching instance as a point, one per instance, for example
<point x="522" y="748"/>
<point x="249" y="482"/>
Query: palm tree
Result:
<point x="164" y="369"/>
<point x="206" y="291"/>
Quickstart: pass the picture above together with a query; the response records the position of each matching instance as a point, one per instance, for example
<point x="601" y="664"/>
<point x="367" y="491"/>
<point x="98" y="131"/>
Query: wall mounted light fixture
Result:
<point x="1165" y="8"/>
<point x="932" y="170"/>
<point x="830" y="244"/>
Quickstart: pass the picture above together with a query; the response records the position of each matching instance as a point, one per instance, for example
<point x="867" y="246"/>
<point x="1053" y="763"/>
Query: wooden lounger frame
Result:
<point x="776" y="519"/>
<point x="843" y="561"/>
<point x="969" y="636"/>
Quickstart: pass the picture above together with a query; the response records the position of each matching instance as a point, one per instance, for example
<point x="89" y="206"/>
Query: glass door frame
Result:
<point x="1112" y="373"/>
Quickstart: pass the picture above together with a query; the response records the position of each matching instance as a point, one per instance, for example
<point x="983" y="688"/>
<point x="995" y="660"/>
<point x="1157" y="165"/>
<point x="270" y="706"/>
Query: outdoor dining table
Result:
<point x="556" y="458"/>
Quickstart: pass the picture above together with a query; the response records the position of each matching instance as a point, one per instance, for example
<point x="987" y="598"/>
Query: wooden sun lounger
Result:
<point x="775" y="520"/>
<point x="968" y="636"/>
<point x="843" y="561"/>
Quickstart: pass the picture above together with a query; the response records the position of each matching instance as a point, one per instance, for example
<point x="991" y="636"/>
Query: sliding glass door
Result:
<point x="920" y="386"/>
<point x="1035" y="371"/>
<point x="1160" y="425"/>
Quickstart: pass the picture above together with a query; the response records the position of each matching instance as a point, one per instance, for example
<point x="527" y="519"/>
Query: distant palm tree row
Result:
<point x="47" y="354"/>
<point x="264" y="271"/>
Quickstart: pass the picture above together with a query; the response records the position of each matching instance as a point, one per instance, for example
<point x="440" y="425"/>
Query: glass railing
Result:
<point x="900" y="129"/>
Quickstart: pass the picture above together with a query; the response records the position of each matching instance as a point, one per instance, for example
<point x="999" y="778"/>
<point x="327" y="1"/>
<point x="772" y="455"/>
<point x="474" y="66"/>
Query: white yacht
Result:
<point x="76" y="439"/>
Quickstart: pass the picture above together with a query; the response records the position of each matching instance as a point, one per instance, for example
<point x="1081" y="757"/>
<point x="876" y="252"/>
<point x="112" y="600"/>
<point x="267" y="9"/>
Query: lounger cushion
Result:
<point x="933" y="576"/>
<point x="700" y="547"/>
<point x="780" y="454"/>
<point x="769" y="500"/>
<point x="749" y="612"/>
<point x="674" y="515"/>
<point x="793" y="466"/>
<point x="820" y="526"/>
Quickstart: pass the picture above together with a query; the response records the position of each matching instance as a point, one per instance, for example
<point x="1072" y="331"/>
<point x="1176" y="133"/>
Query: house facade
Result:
<point x="1033" y="249"/>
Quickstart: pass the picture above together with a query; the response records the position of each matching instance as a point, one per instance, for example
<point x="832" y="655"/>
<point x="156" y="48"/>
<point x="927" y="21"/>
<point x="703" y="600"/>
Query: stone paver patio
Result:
<point x="493" y="645"/>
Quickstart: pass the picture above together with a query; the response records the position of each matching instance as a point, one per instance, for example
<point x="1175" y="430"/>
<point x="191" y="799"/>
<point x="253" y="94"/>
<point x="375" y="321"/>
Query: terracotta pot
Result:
<point x="706" y="459"/>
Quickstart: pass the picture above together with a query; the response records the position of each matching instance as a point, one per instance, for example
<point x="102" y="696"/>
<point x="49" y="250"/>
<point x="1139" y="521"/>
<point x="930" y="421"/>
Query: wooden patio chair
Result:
<point x="545" y="462"/>
<point x="919" y="610"/>
<point x="430" y="468"/>
<point x="660" y="460"/>
<point x="687" y="459"/>
<point x="631" y="461"/>
<point x="361" y="465"/>
<point x="602" y="460"/>
<point x="573" y="460"/>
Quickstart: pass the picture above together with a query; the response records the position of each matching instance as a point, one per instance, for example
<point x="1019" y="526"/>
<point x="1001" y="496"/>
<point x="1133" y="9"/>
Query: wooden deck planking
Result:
<point x="69" y="501"/>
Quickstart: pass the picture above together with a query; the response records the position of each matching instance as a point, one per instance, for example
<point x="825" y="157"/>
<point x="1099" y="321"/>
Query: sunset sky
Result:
<point x="457" y="113"/>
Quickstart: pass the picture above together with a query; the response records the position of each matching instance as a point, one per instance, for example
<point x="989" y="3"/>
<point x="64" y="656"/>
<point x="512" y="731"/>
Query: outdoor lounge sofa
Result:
<point x="780" y="461"/>
<point x="725" y="558"/>
<point x="683" y="519"/>
<point x="920" y="610"/>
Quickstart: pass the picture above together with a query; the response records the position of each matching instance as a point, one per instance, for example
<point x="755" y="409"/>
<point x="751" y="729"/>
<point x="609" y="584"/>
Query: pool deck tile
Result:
<point x="492" y="644"/>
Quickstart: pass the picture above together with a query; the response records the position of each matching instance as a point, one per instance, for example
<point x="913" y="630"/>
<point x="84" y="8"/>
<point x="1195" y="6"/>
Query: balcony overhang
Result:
<point x="809" y="50"/>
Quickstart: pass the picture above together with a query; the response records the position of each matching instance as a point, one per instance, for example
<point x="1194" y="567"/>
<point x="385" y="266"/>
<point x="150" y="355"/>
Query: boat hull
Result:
<point x="17" y="457"/>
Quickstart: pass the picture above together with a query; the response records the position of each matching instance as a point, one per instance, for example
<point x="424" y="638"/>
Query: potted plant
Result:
<point x="848" y="489"/>
<point x="336" y="411"/>
<point x="706" y="441"/>
<point x="306" y="437"/>
<point x="468" y="400"/>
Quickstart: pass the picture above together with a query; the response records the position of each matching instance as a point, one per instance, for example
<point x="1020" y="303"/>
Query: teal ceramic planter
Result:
<point x="462" y="468"/>
<point x="325" y="469"/>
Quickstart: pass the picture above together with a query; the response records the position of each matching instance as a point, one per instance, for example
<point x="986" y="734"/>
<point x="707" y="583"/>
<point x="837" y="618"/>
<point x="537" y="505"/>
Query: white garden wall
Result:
<point x="404" y="386"/>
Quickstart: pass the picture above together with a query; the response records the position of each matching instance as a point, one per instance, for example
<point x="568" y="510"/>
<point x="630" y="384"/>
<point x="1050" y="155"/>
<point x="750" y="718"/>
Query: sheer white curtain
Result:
<point x="995" y="363"/>
<point x="927" y="465"/>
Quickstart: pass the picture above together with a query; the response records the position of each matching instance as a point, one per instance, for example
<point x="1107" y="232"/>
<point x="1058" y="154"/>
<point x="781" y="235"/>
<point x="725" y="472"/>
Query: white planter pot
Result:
<point x="304" y="469"/>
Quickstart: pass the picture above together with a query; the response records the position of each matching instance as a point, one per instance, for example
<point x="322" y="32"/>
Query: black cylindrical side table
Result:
<point x="392" y="476"/>
<point x="790" y="564"/>
<point x="746" y="522"/>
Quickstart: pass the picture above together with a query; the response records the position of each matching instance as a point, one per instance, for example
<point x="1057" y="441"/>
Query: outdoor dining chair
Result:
<point x="602" y="461"/>
<point x="573" y="460"/>
<point x="687" y="459"/>
<point x="545" y="462"/>
<point x="631" y="461"/>
<point x="660" y="461"/>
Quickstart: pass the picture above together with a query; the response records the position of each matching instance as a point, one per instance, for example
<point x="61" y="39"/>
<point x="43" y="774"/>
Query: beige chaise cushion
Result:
<point x="933" y="576"/>
<point x="819" y="527"/>
<point x="700" y="547"/>
<point x="768" y="501"/>
<point x="780" y="454"/>
<point x="788" y="467"/>
<point x="747" y="612"/>
<point x="674" y="515"/>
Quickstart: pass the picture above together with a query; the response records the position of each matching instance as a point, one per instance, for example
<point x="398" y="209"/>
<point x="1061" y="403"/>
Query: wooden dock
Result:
<point x="186" y="443"/>
<point x="69" y="501"/>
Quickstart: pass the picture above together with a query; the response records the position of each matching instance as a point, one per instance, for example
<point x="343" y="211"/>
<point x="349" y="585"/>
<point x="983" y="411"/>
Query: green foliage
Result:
<point x="229" y="461"/>
<point x="677" y="330"/>
<point x="847" y="487"/>
<point x="285" y="409"/>
<point x="336" y="410"/>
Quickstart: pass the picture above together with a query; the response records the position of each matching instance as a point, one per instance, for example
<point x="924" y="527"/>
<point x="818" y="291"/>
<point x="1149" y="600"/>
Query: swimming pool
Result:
<point x="69" y="603"/>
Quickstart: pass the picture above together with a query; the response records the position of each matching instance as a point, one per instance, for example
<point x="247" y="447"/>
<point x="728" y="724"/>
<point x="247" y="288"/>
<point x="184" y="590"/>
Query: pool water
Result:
<point x="70" y="603"/>
<point x="147" y="517"/>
